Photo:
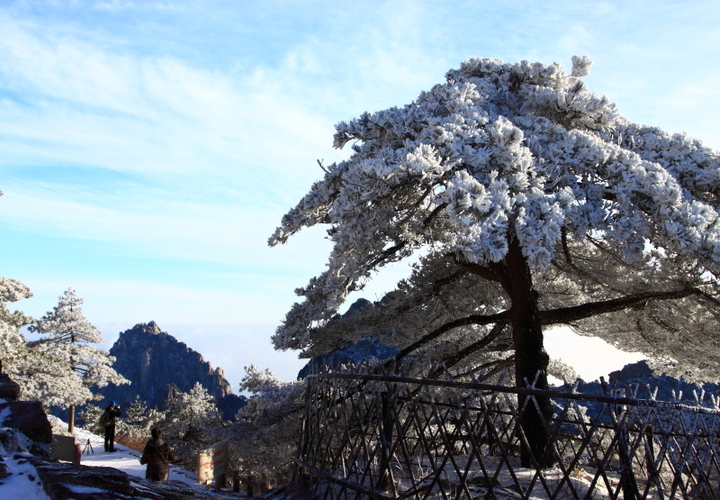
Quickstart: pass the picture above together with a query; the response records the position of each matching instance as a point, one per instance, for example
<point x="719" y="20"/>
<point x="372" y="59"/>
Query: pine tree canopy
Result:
<point x="523" y="201"/>
<point x="72" y="364"/>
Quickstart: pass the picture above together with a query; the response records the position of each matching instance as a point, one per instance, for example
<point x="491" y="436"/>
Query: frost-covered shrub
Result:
<point x="14" y="441"/>
<point x="138" y="420"/>
<point x="264" y="439"/>
<point x="191" y="422"/>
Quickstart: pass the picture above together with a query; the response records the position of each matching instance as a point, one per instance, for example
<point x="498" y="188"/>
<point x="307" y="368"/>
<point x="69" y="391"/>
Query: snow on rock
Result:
<point x="19" y="479"/>
<point x="28" y="417"/>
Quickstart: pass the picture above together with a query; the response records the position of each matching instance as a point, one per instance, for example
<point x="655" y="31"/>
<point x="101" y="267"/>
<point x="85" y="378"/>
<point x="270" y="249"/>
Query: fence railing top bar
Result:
<point x="527" y="391"/>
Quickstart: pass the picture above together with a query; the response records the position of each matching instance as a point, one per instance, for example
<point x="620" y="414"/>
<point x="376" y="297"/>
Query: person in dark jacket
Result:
<point x="157" y="455"/>
<point x="108" y="422"/>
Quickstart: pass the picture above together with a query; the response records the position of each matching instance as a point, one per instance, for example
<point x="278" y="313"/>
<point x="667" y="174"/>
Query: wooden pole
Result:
<point x="249" y="490"/>
<point x="71" y="418"/>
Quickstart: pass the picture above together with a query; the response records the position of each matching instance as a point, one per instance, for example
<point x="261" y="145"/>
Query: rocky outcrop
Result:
<point x="28" y="417"/>
<point x="9" y="389"/>
<point x="154" y="360"/>
<point x="352" y="353"/>
<point x="631" y="371"/>
<point x="65" y="481"/>
<point x="24" y="425"/>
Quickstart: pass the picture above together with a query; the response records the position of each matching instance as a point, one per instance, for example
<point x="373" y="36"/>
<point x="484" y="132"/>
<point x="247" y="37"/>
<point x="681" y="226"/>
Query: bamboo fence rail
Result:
<point x="368" y="435"/>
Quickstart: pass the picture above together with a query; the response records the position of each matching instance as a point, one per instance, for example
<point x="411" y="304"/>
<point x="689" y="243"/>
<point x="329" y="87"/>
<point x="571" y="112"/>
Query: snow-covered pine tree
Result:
<point x="191" y="421"/>
<point x="264" y="438"/>
<point x="29" y="367"/>
<point x="134" y="427"/>
<point x="90" y="415"/>
<point x="139" y="420"/>
<point x="12" y="342"/>
<point x="67" y="337"/>
<point x="526" y="201"/>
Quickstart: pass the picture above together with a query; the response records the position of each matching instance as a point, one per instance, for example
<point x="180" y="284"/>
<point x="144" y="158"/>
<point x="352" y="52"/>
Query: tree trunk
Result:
<point x="531" y="360"/>
<point x="71" y="418"/>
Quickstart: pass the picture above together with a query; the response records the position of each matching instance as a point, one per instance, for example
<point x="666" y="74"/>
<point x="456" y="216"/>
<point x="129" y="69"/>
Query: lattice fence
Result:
<point x="378" y="436"/>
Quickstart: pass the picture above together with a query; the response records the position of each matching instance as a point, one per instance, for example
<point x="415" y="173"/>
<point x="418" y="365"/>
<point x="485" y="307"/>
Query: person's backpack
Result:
<point x="105" y="419"/>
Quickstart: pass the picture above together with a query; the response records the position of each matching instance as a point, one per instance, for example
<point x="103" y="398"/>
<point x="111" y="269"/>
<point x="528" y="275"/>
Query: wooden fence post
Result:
<point x="627" y="476"/>
<point x="387" y="419"/>
<point x="249" y="487"/>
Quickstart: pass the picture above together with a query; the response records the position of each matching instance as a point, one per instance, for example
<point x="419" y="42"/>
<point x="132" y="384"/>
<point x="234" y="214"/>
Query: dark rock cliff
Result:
<point x="153" y="360"/>
<point x="352" y="353"/>
<point x="631" y="371"/>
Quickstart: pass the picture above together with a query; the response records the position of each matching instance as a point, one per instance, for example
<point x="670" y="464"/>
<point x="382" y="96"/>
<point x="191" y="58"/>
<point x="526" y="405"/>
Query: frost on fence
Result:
<point x="388" y="436"/>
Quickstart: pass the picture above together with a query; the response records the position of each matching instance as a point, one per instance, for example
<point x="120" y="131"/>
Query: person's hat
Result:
<point x="113" y="403"/>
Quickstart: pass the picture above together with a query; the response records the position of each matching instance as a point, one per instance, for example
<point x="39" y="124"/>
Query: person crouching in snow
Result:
<point x="157" y="455"/>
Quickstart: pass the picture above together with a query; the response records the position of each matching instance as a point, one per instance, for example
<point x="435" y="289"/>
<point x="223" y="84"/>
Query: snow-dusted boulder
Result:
<point x="28" y="417"/>
<point x="65" y="481"/>
<point x="9" y="389"/>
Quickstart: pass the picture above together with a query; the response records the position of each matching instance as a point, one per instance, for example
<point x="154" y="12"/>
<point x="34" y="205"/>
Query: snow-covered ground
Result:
<point x="23" y="482"/>
<point x="124" y="459"/>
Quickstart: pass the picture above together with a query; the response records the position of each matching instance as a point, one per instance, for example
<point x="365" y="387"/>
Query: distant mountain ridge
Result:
<point x="637" y="380"/>
<point x="155" y="361"/>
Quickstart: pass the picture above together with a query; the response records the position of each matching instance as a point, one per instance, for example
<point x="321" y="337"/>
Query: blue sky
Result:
<point x="149" y="149"/>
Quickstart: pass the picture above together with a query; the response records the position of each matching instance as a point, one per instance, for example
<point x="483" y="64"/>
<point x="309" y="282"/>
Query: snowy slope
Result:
<point x="124" y="459"/>
<point x="22" y="483"/>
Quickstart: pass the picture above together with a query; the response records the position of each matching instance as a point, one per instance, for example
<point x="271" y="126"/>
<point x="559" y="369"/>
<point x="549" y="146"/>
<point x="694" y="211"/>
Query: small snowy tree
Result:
<point x="90" y="415"/>
<point x="192" y="420"/>
<point x="67" y="337"/>
<point x="527" y="201"/>
<point x="29" y="367"/>
<point x="12" y="342"/>
<point x="138" y="420"/>
<point x="265" y="436"/>
<point x="272" y="399"/>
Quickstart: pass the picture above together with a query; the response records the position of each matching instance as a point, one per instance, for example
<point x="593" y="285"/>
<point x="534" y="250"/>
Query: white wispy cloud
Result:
<point x="183" y="131"/>
<point x="228" y="234"/>
<point x="146" y="115"/>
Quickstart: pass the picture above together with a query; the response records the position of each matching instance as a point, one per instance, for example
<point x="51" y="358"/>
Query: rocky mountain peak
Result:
<point x="150" y="328"/>
<point x="154" y="361"/>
